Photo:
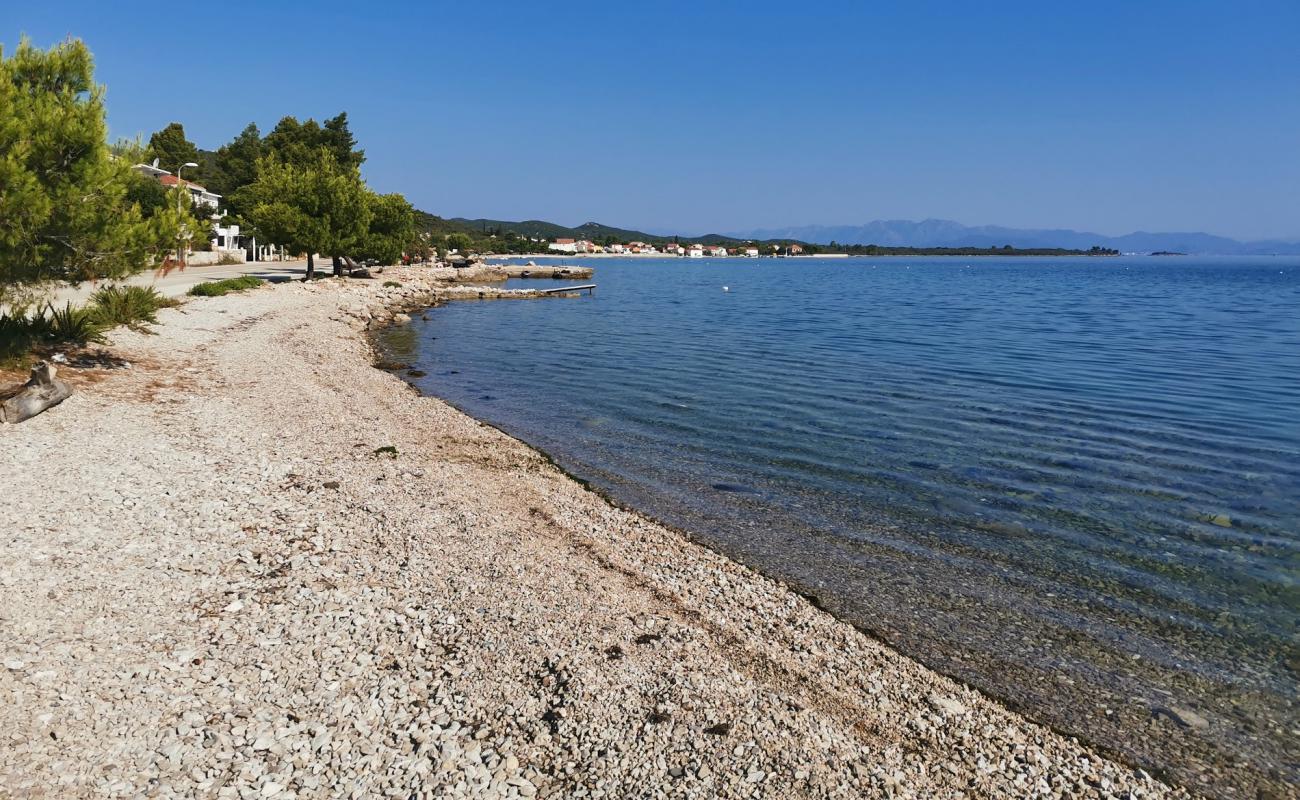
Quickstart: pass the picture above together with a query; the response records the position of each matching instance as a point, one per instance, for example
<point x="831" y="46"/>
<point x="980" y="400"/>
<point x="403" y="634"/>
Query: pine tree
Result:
<point x="65" y="213"/>
<point x="312" y="206"/>
<point x="173" y="150"/>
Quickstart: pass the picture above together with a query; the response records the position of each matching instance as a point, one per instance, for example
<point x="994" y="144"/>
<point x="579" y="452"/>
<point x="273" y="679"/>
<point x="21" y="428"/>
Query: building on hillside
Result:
<point x="751" y="252"/>
<point x="616" y="248"/>
<point x="639" y="247"/>
<point x="198" y="194"/>
<point x="224" y="239"/>
<point x="585" y="246"/>
<point x="563" y="246"/>
<point x="718" y="251"/>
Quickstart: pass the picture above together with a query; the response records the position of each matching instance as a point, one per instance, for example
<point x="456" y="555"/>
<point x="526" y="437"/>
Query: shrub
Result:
<point x="15" y="338"/>
<point x="218" y="288"/>
<point x="73" y="325"/>
<point x="132" y="306"/>
<point x="20" y="333"/>
<point x="392" y="284"/>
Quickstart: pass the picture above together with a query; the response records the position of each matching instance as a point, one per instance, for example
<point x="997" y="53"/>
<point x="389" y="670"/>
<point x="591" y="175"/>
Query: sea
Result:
<point x="1072" y="483"/>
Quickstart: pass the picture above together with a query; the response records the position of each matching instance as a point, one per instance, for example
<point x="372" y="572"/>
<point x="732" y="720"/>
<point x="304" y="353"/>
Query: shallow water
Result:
<point x="1073" y="483"/>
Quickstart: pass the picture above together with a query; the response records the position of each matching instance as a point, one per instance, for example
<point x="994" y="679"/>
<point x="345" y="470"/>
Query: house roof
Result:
<point x="170" y="180"/>
<point x="564" y="241"/>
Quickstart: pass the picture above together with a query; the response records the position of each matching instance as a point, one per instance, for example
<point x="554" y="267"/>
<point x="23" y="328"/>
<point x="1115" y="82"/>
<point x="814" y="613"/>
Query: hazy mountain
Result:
<point x="595" y="231"/>
<point x="946" y="233"/>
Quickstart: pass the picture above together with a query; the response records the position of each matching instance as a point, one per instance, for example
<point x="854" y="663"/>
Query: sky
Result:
<point x="690" y="117"/>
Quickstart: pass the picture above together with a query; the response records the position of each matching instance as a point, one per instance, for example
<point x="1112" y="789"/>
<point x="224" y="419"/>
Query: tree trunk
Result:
<point x="311" y="266"/>
<point x="338" y="267"/>
<point x="42" y="391"/>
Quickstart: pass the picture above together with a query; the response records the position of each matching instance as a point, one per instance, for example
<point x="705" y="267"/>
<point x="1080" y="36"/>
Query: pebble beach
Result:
<point x="242" y="562"/>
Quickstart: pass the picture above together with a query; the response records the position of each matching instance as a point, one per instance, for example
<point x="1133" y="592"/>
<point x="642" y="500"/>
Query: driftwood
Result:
<point x="41" y="391"/>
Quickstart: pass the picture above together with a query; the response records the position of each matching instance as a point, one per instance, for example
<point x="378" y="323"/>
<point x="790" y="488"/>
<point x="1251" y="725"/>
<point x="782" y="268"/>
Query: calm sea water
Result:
<point x="1073" y="483"/>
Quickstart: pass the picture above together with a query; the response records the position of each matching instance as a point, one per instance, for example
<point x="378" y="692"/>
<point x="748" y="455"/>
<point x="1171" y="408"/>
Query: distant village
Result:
<point x="583" y="246"/>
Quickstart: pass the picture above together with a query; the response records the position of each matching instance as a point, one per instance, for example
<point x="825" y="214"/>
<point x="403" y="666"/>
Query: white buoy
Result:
<point x="726" y="288"/>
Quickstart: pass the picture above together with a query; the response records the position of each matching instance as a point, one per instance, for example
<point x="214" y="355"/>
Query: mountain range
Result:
<point x="891" y="233"/>
<point x="946" y="233"/>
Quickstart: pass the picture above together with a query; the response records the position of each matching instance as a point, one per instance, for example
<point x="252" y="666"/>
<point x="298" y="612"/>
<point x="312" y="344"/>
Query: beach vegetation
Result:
<point x="386" y="450"/>
<point x="69" y="210"/>
<point x="132" y="306"/>
<point x="21" y="333"/>
<point x="226" y="286"/>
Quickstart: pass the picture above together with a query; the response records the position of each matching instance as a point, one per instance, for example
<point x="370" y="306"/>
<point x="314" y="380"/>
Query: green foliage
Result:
<point x="172" y="150"/>
<point x="133" y="306"/>
<point x="386" y="450"/>
<point x="20" y="334"/>
<point x="297" y="143"/>
<point x="219" y="288"/>
<point x="392" y="284"/>
<point x="65" y="213"/>
<point x="315" y="206"/>
<point x="460" y="242"/>
<point x="147" y="193"/>
<point x="234" y="165"/>
<point x="391" y="230"/>
<point x="74" y="325"/>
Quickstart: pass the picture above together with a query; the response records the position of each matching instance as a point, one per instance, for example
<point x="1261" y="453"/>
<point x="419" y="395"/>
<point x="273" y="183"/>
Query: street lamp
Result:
<point x="180" y="184"/>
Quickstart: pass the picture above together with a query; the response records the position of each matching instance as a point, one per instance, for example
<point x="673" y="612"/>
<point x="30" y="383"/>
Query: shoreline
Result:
<point x="266" y="595"/>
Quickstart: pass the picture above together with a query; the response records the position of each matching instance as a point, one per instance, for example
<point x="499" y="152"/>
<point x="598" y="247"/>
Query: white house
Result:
<point x="718" y="251"/>
<point x="226" y="237"/>
<point x="616" y="248"/>
<point x="696" y="251"/>
<point x="198" y="194"/>
<point x="674" y="249"/>
<point x="563" y="246"/>
<point x="751" y="252"/>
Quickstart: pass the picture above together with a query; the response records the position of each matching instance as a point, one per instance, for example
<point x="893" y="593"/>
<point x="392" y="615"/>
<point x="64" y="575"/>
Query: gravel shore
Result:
<point x="252" y="565"/>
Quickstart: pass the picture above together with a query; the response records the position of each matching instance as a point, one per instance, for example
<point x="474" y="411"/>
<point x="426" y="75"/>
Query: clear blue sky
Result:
<point x="697" y="116"/>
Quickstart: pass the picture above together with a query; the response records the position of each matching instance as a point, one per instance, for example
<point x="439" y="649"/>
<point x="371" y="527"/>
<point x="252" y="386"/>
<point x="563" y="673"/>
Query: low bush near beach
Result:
<point x="218" y="288"/>
<point x="392" y="284"/>
<point x="132" y="306"/>
<point x="22" y="333"/>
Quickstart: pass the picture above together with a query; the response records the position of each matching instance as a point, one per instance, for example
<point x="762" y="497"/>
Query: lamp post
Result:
<point x="181" y="242"/>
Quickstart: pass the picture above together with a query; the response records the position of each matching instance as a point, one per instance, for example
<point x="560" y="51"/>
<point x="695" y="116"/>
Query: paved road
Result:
<point x="179" y="282"/>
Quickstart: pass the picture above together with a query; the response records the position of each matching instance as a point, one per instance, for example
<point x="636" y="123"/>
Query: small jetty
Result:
<point x="555" y="271"/>
<point x="589" y="288"/>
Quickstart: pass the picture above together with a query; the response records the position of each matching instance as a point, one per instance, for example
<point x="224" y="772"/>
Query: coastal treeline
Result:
<point x="72" y="208"/>
<point x="69" y="209"/>
<point x="300" y="186"/>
